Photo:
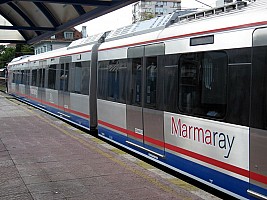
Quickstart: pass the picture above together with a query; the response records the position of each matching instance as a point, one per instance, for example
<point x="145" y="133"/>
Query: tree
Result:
<point x="147" y="16"/>
<point x="24" y="49"/>
<point x="2" y="48"/>
<point x="7" y="54"/>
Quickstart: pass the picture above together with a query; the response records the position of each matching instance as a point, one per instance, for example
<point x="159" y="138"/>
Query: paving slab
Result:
<point x="43" y="158"/>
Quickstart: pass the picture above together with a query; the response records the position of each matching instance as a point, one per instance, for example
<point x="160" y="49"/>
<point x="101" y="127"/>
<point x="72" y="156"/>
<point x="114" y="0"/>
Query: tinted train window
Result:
<point x="259" y="88"/>
<point x="66" y="74"/>
<point x="79" y="77"/>
<point x="15" y="76"/>
<point x="169" y="75"/>
<point x="27" y="77"/>
<point x="52" y="76"/>
<point x="202" y="84"/>
<point x="111" y="80"/>
<point x="64" y="77"/>
<point x="34" y="77"/>
<point x="85" y="77"/>
<point x="61" y="77"/>
<point x="19" y="77"/>
<point x="12" y="75"/>
<point x="136" y="84"/>
<point x="40" y="77"/>
<point x="102" y="75"/>
<point x="151" y="82"/>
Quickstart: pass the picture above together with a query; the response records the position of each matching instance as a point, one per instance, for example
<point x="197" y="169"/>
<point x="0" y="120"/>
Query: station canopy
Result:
<point x="35" y="20"/>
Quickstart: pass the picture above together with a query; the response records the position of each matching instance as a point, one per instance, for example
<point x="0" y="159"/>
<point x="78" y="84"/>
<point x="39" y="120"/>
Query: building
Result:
<point x="222" y="2"/>
<point x="143" y="10"/>
<point x="57" y="41"/>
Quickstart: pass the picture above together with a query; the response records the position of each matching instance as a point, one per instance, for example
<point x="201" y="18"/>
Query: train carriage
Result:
<point x="188" y="92"/>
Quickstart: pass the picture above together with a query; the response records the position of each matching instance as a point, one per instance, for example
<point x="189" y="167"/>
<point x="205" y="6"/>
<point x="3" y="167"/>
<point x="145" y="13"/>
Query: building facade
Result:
<point x="222" y="2"/>
<point x="60" y="40"/>
<point x="143" y="10"/>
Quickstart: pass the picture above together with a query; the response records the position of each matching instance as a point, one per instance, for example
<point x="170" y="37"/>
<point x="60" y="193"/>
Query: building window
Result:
<point x="68" y="35"/>
<point x="176" y="4"/>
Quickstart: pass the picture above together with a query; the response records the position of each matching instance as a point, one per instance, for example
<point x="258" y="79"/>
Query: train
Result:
<point x="186" y="91"/>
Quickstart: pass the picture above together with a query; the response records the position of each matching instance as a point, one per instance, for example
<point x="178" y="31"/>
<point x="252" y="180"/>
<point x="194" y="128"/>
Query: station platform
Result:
<point x="42" y="157"/>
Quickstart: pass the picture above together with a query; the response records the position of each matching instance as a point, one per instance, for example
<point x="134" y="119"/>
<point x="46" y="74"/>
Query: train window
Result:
<point x="169" y="76"/>
<point x="136" y="84"/>
<point x="61" y="77"/>
<point x="241" y="55"/>
<point x="64" y="77"/>
<point x="259" y="87"/>
<point x="17" y="76"/>
<point x="20" y="74"/>
<point x="78" y="77"/>
<point x="23" y="77"/>
<point x="12" y="75"/>
<point x="202" y="83"/>
<point x="85" y="77"/>
<point x="79" y="74"/>
<point x="27" y="77"/>
<point x="34" y="77"/>
<point x="111" y="80"/>
<point x="52" y="76"/>
<point x="40" y="78"/>
<point x="151" y="82"/>
<point x="102" y="76"/>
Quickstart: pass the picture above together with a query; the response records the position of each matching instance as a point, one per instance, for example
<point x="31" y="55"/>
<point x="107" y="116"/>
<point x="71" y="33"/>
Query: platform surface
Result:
<point x="42" y="157"/>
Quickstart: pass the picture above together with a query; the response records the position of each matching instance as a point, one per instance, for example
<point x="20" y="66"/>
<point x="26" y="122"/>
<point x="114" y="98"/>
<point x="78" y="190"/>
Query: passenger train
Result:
<point x="186" y="91"/>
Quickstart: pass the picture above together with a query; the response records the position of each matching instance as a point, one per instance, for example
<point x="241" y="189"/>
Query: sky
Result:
<point x="123" y="17"/>
<point x="116" y="19"/>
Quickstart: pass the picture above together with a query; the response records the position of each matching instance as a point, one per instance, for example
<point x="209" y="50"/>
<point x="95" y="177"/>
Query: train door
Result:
<point x="144" y="120"/>
<point x="258" y="115"/>
<point x="63" y="82"/>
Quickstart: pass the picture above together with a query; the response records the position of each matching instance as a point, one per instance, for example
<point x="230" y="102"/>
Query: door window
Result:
<point x="136" y="86"/>
<point x="151" y="82"/>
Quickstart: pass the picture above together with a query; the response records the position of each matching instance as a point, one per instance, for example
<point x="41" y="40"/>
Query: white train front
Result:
<point x="188" y="92"/>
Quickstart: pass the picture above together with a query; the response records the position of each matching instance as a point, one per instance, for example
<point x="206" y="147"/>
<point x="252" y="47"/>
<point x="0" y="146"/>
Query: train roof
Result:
<point x="234" y="15"/>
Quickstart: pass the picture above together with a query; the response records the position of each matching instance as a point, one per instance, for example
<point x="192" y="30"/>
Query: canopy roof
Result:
<point x="39" y="19"/>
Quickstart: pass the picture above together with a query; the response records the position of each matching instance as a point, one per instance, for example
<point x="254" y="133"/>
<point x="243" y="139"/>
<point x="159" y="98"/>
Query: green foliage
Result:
<point x="147" y="16"/>
<point x="24" y="49"/>
<point x="8" y="53"/>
